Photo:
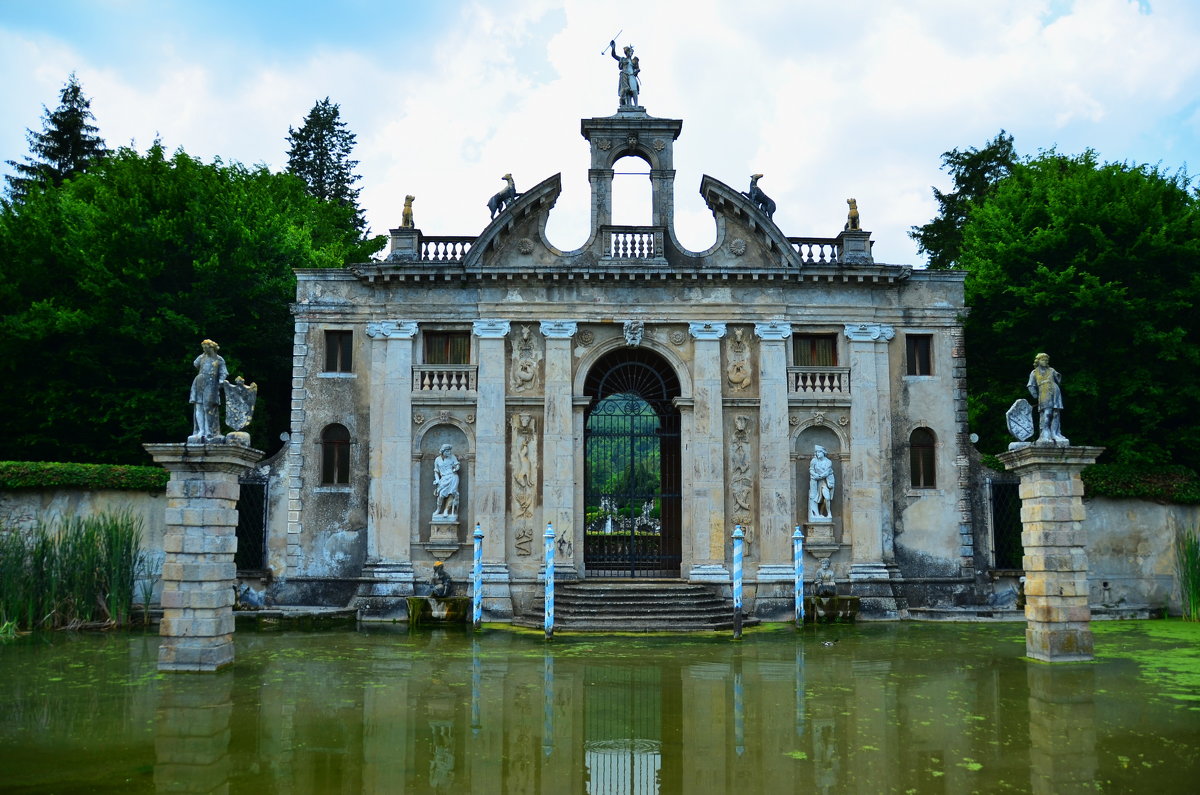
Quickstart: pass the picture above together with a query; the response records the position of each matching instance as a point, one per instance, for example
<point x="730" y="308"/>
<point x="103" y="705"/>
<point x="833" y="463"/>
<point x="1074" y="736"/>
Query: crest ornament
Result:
<point x="1020" y="420"/>
<point x="678" y="338"/>
<point x="738" y="247"/>
<point x="525" y="245"/>
<point x="586" y="338"/>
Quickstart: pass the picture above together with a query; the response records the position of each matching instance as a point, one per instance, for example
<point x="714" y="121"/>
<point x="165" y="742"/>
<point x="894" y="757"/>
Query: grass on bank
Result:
<point x="1187" y="570"/>
<point x="71" y="573"/>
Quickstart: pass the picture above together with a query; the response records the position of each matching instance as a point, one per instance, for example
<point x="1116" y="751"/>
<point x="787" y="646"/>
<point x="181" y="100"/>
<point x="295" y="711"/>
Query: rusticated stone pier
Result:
<point x="198" y="573"/>
<point x="1058" y="619"/>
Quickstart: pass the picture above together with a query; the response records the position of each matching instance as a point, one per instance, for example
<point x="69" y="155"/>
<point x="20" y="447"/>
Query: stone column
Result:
<point x="601" y="179"/>
<point x="775" y="500"/>
<point x="1057" y="616"/>
<point x="867" y="520"/>
<point x="558" y="440"/>
<point x="488" y="490"/>
<point x="198" y="573"/>
<point x="390" y="486"/>
<point x="704" y="455"/>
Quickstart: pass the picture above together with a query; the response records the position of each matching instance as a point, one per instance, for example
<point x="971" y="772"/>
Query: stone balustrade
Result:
<point x="632" y="242"/>
<point x="444" y="378"/>
<point x="446" y="248"/>
<point x="817" y="249"/>
<point x="819" y="380"/>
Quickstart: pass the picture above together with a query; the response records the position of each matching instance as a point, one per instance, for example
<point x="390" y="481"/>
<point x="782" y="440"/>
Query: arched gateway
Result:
<point x="632" y="488"/>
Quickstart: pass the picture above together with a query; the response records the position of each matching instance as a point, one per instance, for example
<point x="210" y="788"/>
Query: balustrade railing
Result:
<point x="632" y="242"/>
<point x="819" y="380"/>
<point x="817" y="249"/>
<point x="445" y="248"/>
<point x="444" y="378"/>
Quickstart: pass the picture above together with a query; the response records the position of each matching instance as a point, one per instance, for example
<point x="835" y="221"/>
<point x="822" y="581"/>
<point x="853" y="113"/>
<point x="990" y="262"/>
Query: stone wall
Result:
<point x="23" y="508"/>
<point x="1129" y="548"/>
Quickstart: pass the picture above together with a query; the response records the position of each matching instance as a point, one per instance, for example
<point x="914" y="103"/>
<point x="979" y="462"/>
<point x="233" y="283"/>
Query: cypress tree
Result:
<point x="320" y="155"/>
<point x="67" y="145"/>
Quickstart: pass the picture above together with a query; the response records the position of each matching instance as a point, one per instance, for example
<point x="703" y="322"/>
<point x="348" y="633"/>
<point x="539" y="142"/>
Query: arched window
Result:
<point x="335" y="455"/>
<point x="632" y="195"/>
<point x="922" y="446"/>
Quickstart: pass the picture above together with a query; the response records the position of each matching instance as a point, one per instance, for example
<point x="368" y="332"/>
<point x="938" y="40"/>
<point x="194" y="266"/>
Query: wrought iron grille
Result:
<point x="632" y="494"/>
<point x="251" y="531"/>
<point x="1006" y="525"/>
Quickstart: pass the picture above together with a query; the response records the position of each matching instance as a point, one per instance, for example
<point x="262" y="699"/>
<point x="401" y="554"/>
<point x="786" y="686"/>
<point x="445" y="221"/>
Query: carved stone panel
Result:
<point x="738" y="372"/>
<point x="741" y="480"/>
<point x="524" y="465"/>
<point x="527" y="355"/>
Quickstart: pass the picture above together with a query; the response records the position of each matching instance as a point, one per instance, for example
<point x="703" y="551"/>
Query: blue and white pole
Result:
<point x="739" y="539"/>
<point x="477" y="580"/>
<point x="549" y="580"/>
<point x="798" y="558"/>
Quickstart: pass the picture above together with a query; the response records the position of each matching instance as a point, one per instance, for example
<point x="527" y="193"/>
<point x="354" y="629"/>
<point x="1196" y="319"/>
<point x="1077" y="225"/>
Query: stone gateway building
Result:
<point x="640" y="398"/>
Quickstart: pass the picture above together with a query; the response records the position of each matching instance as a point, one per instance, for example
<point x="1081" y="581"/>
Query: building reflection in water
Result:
<point x="192" y="733"/>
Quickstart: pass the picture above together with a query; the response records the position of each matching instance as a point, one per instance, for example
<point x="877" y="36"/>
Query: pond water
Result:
<point x="908" y="707"/>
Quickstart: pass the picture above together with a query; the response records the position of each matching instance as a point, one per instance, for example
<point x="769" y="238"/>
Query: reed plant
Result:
<point x="72" y="572"/>
<point x="1187" y="569"/>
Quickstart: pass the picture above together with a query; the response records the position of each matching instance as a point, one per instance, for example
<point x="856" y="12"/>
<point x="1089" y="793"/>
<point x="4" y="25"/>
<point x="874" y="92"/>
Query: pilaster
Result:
<point x="868" y="516"/>
<point x="390" y="490"/>
<point x="491" y="462"/>
<point x="558" y="438"/>
<point x="1057" y="616"/>
<point x="198" y="573"/>
<point x="704" y="454"/>
<point x="775" y="506"/>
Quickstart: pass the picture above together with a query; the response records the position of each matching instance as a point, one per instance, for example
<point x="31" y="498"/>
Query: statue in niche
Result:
<point x="206" y="394"/>
<point x="525" y="360"/>
<point x="445" y="484"/>
<point x="1045" y="385"/>
<point x="634" y="330"/>
<point x="852" y="224"/>
<point x="441" y="586"/>
<point x="738" y="371"/>
<point x="629" y="85"/>
<point x="821" y="483"/>
<point x="824" y="584"/>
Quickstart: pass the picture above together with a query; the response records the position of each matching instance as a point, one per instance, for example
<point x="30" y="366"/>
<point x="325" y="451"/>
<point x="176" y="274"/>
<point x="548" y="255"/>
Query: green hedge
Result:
<point x="1173" y="484"/>
<point x="46" y="475"/>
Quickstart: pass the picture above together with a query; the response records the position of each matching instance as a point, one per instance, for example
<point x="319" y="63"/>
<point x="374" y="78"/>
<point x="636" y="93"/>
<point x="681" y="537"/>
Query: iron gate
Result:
<point x="632" y="491"/>
<point x="251" y="531"/>
<point x="1006" y="526"/>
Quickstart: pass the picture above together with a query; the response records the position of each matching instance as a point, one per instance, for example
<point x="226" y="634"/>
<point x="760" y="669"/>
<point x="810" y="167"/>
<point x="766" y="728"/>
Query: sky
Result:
<point x="829" y="100"/>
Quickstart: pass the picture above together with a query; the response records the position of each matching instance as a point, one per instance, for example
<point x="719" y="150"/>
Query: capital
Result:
<point x="559" y="329"/>
<point x="392" y="330"/>
<point x="869" y="332"/>
<point x="490" y="329"/>
<point x="775" y="330"/>
<point x="706" y="331"/>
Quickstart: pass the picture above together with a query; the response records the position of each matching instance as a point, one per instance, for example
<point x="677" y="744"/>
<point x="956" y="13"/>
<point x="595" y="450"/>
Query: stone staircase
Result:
<point x="634" y="606"/>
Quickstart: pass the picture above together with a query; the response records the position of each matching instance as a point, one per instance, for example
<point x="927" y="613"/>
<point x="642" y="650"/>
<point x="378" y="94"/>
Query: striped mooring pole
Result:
<point x="798" y="557"/>
<point x="549" y="580"/>
<point x="739" y="538"/>
<point x="477" y="580"/>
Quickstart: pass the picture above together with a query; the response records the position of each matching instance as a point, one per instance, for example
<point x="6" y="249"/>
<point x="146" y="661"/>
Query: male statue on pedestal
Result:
<point x="1045" y="385"/>
<point x="445" y="484"/>
<point x="821" y="483"/>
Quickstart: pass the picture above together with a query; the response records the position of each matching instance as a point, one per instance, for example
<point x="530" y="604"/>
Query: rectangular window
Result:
<point x="447" y="347"/>
<point x="919" y="352"/>
<point x="337" y="352"/>
<point x="816" y="350"/>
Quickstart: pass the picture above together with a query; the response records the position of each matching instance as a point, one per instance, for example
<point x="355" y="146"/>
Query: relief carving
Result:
<point x="523" y="541"/>
<point x="740" y="483"/>
<point x="526" y="355"/>
<point x="738" y="371"/>
<point x="524" y="465"/>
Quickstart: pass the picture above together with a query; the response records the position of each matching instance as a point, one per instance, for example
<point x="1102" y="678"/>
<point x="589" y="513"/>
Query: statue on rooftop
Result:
<point x="406" y="220"/>
<point x="629" y="85"/>
<point x="852" y="222"/>
<point x="760" y="200"/>
<point x="498" y="203"/>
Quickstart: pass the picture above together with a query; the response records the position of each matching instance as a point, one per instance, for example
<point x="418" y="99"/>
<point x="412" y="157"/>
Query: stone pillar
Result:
<point x="704" y="456"/>
<point x="1057" y="616"/>
<point x="198" y="573"/>
<point x="390" y="487"/>
<point x="558" y="440"/>
<point x="488" y="490"/>
<point x="775" y="500"/>
<point x="601" y="179"/>
<point x="867" y="520"/>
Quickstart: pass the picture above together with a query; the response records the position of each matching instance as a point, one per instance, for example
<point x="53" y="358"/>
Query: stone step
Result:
<point x="634" y="606"/>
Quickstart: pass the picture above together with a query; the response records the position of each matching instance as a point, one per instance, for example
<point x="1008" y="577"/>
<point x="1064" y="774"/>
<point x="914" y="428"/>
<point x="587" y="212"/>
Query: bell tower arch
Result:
<point x="631" y="132"/>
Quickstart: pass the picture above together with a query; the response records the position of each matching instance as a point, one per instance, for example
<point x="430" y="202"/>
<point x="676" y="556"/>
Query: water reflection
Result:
<point x="928" y="709"/>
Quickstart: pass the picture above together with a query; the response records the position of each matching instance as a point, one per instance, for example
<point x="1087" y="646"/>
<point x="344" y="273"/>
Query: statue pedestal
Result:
<point x="198" y="573"/>
<point x="1058" y="619"/>
<point x="443" y="537"/>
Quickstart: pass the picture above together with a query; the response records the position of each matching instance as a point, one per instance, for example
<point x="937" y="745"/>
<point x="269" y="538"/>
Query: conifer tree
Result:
<point x="66" y="146"/>
<point x="320" y="155"/>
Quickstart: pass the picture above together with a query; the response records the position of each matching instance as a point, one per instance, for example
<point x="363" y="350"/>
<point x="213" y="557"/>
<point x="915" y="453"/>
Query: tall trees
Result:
<point x="974" y="172"/>
<point x="109" y="282"/>
<point x="320" y="155"/>
<point x="67" y="145"/>
<point x="1097" y="264"/>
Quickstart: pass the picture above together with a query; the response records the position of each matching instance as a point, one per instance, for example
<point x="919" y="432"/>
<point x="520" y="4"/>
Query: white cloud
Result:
<point x="828" y="102"/>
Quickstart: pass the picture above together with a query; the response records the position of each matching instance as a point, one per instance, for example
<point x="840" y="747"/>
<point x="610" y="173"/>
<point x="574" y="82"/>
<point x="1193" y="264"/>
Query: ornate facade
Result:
<point x="639" y="397"/>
